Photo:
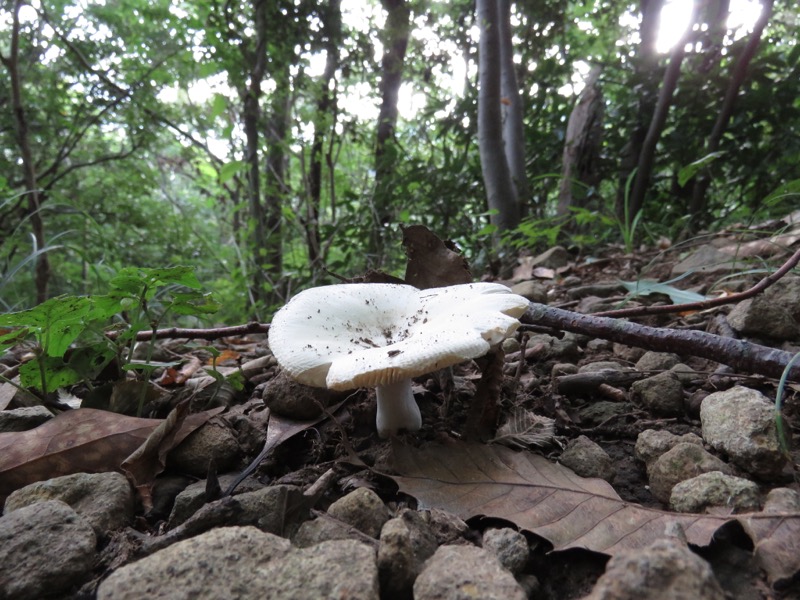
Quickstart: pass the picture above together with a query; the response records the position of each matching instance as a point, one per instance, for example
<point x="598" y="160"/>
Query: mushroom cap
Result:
<point x="372" y="334"/>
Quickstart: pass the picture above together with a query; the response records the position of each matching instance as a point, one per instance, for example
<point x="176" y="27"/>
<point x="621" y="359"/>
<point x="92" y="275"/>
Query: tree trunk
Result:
<point x="698" y="206"/>
<point x="582" y="146"/>
<point x="645" y="81"/>
<point x="42" y="277"/>
<point x="395" y="42"/>
<point x="513" y="127"/>
<point x="646" y="161"/>
<point x="275" y="176"/>
<point x="500" y="192"/>
<point x="323" y="126"/>
<point x="251" y="116"/>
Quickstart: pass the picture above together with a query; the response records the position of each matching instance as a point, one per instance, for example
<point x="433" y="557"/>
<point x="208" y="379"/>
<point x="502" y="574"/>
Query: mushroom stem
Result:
<point x="397" y="408"/>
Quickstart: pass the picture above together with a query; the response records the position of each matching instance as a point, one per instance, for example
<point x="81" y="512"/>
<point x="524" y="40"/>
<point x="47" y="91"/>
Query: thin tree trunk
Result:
<point x="275" y="177"/>
<point x="581" y="146"/>
<point x="32" y="191"/>
<point x="323" y="126"/>
<point x="395" y="42"/>
<point x="645" y="80"/>
<point x="251" y="122"/>
<point x="500" y="192"/>
<point x="513" y="126"/>
<point x="644" y="167"/>
<point x="698" y="206"/>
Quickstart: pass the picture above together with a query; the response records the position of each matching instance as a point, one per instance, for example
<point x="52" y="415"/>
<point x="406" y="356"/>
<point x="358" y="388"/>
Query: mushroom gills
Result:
<point x="397" y="408"/>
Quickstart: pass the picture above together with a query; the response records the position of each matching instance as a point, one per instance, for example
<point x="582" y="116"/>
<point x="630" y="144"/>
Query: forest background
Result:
<point x="270" y="143"/>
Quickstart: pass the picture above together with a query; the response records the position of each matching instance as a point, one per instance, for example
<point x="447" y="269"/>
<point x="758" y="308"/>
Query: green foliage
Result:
<point x="780" y="424"/>
<point x="690" y="170"/>
<point x="629" y="223"/>
<point x="136" y="117"/>
<point x="145" y="295"/>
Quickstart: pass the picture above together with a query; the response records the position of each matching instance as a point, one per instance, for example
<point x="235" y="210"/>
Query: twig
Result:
<point x="520" y="365"/>
<point x="212" y="333"/>
<point x="705" y="304"/>
<point x="741" y="355"/>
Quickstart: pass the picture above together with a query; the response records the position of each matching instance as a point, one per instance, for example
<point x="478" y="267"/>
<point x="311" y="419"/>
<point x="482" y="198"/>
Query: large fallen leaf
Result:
<point x="279" y="429"/>
<point x="431" y="261"/>
<point x="150" y="458"/>
<point x="77" y="441"/>
<point x="645" y="287"/>
<point x="550" y="500"/>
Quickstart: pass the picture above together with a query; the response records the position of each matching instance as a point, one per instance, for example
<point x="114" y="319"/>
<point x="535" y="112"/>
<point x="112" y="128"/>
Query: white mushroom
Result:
<point x="382" y="335"/>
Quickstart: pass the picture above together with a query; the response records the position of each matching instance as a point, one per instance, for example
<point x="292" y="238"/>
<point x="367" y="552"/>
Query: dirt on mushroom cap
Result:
<point x="347" y="336"/>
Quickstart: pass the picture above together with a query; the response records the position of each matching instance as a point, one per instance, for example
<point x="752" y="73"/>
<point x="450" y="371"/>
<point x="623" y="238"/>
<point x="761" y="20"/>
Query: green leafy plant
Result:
<point x="627" y="225"/>
<point x="71" y="344"/>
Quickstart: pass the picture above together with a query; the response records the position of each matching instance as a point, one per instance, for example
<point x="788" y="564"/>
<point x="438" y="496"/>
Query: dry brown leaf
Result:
<point x="7" y="392"/>
<point x="279" y="429"/>
<point x="571" y="512"/>
<point x="226" y="355"/>
<point x="78" y="441"/>
<point x="432" y="262"/>
<point x="85" y="440"/>
<point x="544" y="273"/>
<point x="172" y="376"/>
<point x="150" y="458"/>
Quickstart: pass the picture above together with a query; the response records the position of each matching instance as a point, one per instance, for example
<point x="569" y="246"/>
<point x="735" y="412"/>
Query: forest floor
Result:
<point x="561" y="452"/>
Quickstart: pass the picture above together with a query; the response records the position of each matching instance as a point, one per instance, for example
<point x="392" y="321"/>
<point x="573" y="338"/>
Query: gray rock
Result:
<point x="628" y="354"/>
<point x="193" y="497"/>
<point x="446" y="527"/>
<point x="363" y="509"/>
<point x="664" y="570"/>
<point x="531" y="290"/>
<point x="45" y="549"/>
<point x="782" y="500"/>
<point x="565" y="349"/>
<point x="713" y="489"/>
<point x="510" y="345"/>
<point x="597" y="412"/>
<point x="775" y="313"/>
<point x="588" y="459"/>
<point x="593" y="304"/>
<point x="222" y="563"/>
<point x="602" y="290"/>
<point x="652" y="443"/>
<point x="288" y="398"/>
<point x="559" y="369"/>
<point x="554" y="258"/>
<point x="661" y="394"/>
<point x="596" y="345"/>
<point x="23" y="419"/>
<point x="685" y="373"/>
<point x="604" y="365"/>
<point x="267" y="508"/>
<point x="682" y="462"/>
<point x="460" y="572"/>
<point x="510" y="546"/>
<point x="104" y="500"/>
<point x="707" y="259"/>
<point x="216" y="441"/>
<point x="335" y="569"/>
<point x="741" y="423"/>
<point x="657" y="361"/>
<point x="406" y="543"/>
<point x="322" y="529"/>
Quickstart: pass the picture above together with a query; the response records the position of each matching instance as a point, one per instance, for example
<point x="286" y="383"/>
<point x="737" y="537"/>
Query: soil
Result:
<point x="348" y="441"/>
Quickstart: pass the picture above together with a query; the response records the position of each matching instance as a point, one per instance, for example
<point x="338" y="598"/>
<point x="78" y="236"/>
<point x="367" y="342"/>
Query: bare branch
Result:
<point x="706" y="304"/>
